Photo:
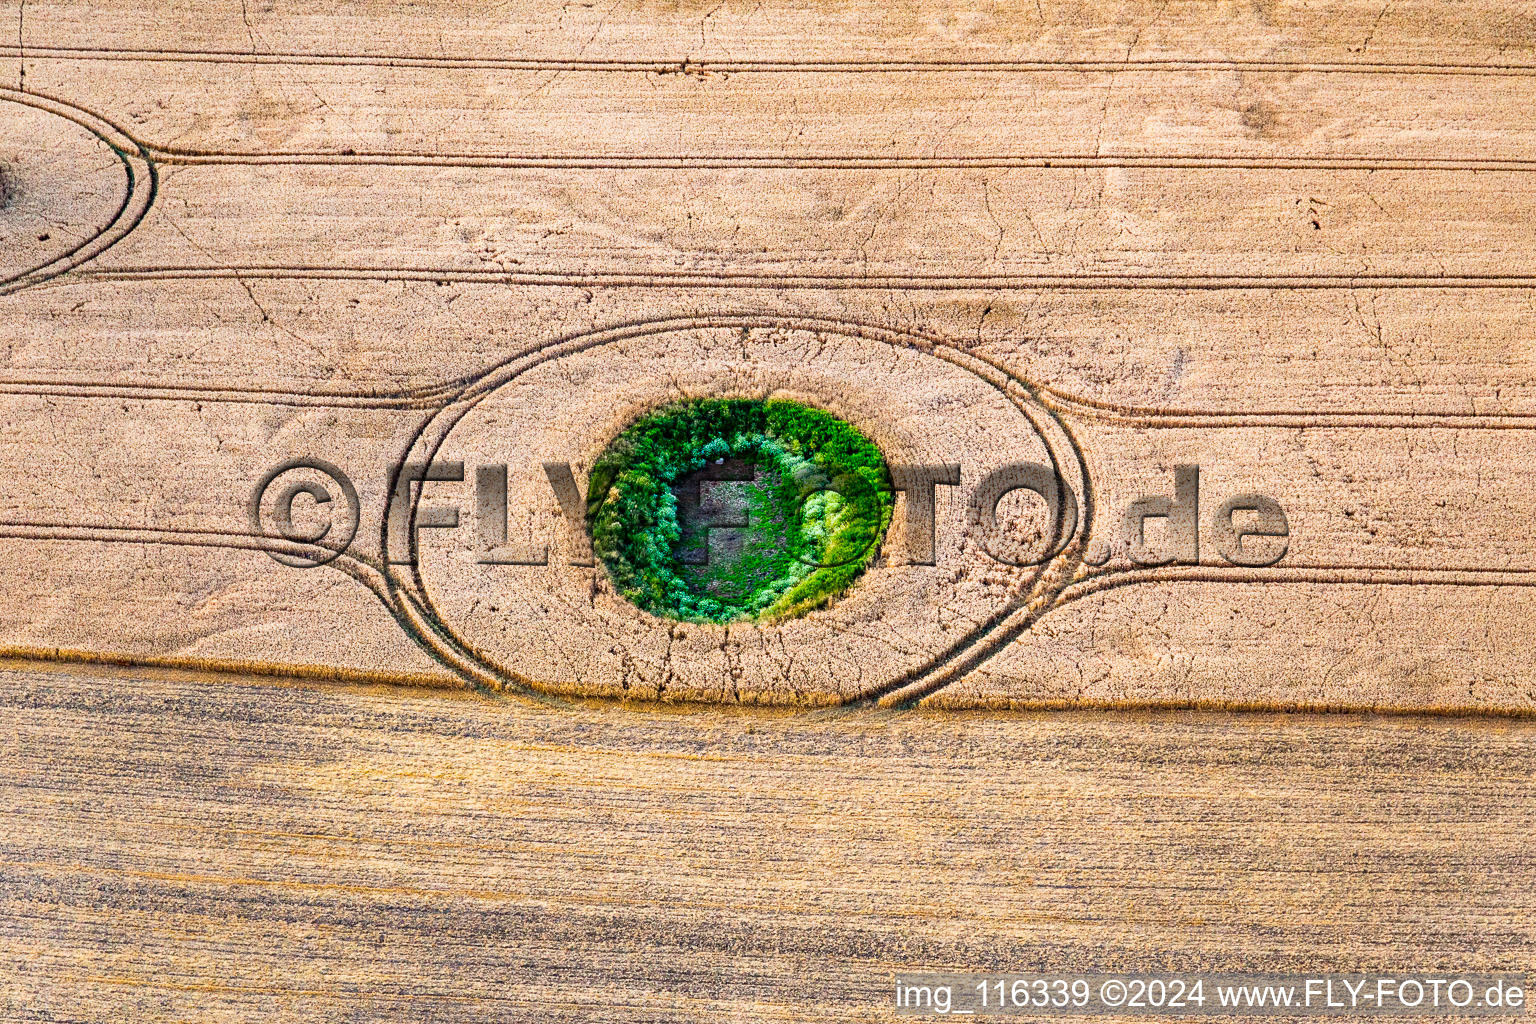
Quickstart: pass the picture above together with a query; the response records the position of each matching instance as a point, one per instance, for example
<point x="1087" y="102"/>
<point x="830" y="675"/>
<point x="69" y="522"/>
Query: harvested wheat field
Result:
<point x="671" y="511"/>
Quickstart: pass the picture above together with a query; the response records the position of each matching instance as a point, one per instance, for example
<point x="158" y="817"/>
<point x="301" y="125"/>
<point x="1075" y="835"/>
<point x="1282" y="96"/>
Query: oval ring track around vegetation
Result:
<point x="561" y="628"/>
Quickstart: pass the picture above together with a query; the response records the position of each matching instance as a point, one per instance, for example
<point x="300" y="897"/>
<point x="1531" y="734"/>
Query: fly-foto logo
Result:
<point x="311" y="502"/>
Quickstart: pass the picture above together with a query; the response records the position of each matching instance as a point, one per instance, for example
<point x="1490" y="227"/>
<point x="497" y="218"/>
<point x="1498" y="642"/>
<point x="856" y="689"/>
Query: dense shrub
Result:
<point x="816" y="509"/>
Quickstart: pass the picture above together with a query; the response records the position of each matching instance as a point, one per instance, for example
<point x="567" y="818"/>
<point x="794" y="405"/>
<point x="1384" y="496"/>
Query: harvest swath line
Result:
<point x="688" y="65"/>
<point x="827" y="161"/>
<point x="826" y="281"/>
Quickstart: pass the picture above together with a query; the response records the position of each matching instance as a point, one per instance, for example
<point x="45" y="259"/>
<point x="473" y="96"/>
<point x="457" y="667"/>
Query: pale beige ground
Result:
<point x="1291" y="243"/>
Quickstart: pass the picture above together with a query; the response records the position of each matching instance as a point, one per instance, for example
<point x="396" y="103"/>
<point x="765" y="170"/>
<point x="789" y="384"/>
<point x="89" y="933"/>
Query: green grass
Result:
<point x="815" y="509"/>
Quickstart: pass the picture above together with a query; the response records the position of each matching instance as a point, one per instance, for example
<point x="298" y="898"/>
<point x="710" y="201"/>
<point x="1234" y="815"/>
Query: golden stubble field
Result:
<point x="186" y="849"/>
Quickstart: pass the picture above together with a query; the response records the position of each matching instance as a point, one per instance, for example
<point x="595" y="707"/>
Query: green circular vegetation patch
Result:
<point x="717" y="510"/>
